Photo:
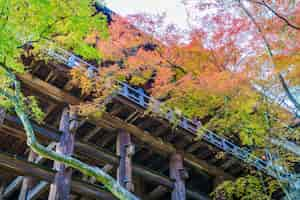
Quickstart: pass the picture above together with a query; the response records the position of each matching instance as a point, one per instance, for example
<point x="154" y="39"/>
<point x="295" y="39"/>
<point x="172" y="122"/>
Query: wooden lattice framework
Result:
<point x="158" y="148"/>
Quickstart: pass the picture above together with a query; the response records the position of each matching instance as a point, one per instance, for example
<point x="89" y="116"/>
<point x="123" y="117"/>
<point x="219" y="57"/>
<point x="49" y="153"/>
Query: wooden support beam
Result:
<point x="91" y="134"/>
<point x="194" y="146"/>
<point x="178" y="175"/>
<point x="106" y="139"/>
<point x="2" y="188"/>
<point x="28" y="182"/>
<point x="133" y="116"/>
<point x="61" y="187"/>
<point x="157" y="193"/>
<point x="23" y="167"/>
<point x="68" y="86"/>
<point x="42" y="186"/>
<point x="49" y="110"/>
<point x="106" y="168"/>
<point x="48" y="90"/>
<point x="139" y="186"/>
<point x="2" y="115"/>
<point x="12" y="187"/>
<point x="87" y="150"/>
<point x="159" y="146"/>
<point x="125" y="151"/>
<point x="17" y="182"/>
<point x="38" y="190"/>
<point x="50" y="76"/>
<point x="109" y="121"/>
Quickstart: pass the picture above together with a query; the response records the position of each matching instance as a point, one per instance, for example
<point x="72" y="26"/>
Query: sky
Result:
<point x="175" y="11"/>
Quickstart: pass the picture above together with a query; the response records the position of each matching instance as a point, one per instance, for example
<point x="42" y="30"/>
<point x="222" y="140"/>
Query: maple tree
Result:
<point x="214" y="72"/>
<point x="268" y="36"/>
<point x="26" y="28"/>
<point x="210" y="76"/>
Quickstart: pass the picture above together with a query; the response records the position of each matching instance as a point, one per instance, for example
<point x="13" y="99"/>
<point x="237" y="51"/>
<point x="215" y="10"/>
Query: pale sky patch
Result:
<point x="174" y="9"/>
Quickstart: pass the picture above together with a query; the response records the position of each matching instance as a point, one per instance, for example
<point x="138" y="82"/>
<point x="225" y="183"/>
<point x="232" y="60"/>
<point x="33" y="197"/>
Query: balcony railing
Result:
<point x="138" y="96"/>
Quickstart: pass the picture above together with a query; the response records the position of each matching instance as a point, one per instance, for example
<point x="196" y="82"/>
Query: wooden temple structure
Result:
<point x="146" y="154"/>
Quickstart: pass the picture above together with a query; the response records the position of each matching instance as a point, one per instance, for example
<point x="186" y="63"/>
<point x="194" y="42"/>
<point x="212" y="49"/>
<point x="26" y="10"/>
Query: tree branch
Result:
<point x="269" y="50"/>
<point x="284" y="19"/>
<point x="288" y="92"/>
<point x="113" y="186"/>
<point x="259" y="29"/>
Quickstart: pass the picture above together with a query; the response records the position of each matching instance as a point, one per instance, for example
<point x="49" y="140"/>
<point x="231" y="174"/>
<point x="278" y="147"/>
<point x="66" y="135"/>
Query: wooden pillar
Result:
<point x="2" y="115"/>
<point x="125" y="151"/>
<point x="61" y="187"/>
<point x="2" y="184"/>
<point x="178" y="174"/>
<point x="28" y="182"/>
<point x="139" y="186"/>
<point x="2" y="188"/>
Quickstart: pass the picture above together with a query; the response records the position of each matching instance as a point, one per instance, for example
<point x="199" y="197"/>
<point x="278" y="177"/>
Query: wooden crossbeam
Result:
<point x="16" y="183"/>
<point x="91" y="134"/>
<point x="61" y="187"/>
<point x="157" y="193"/>
<point x="43" y="87"/>
<point x="87" y="150"/>
<point x="11" y="188"/>
<point x="28" y="182"/>
<point x="43" y="186"/>
<point x="39" y="189"/>
<point x="2" y="188"/>
<point x="161" y="147"/>
<point x="23" y="167"/>
<point x="106" y="168"/>
<point x="157" y="144"/>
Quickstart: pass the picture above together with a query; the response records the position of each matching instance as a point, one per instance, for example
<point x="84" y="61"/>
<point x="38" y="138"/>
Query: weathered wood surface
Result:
<point x="2" y="188"/>
<point x="124" y="151"/>
<point x="178" y="175"/>
<point x="17" y="182"/>
<point x="38" y="190"/>
<point x="161" y="147"/>
<point x="157" y="193"/>
<point x="60" y="189"/>
<point x="42" y="186"/>
<point x="2" y="115"/>
<point x="22" y="167"/>
<point x="87" y="150"/>
<point x="48" y="90"/>
<point x="28" y="182"/>
<point x="109" y="121"/>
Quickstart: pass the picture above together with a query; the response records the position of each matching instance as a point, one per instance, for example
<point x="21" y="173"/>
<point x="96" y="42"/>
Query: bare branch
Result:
<point x="269" y="50"/>
<point x="259" y="29"/>
<point x="288" y="92"/>
<point x="284" y="19"/>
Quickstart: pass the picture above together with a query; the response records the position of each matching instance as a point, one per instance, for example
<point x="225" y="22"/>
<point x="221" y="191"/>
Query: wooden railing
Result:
<point x="138" y="96"/>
